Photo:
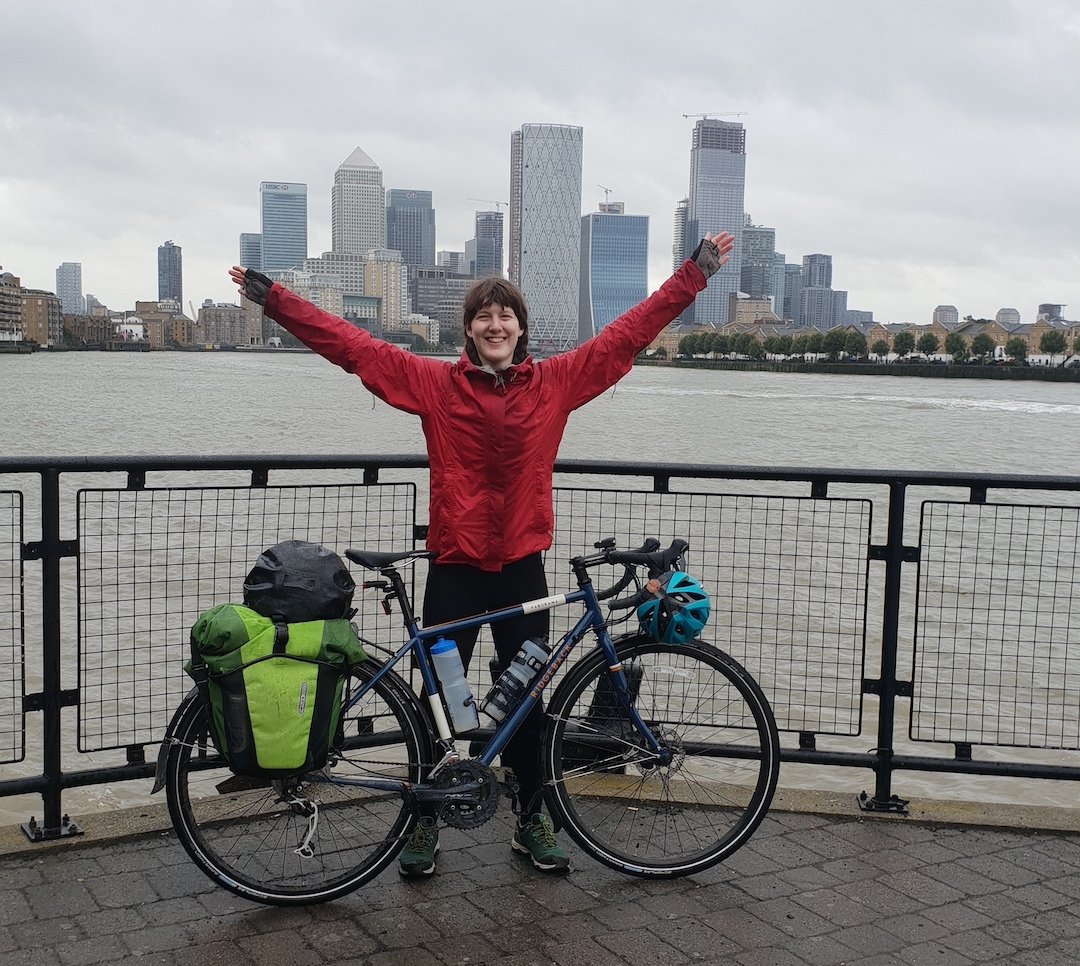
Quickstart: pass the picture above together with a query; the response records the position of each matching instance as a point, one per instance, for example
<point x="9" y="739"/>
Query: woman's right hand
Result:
<point x="253" y="285"/>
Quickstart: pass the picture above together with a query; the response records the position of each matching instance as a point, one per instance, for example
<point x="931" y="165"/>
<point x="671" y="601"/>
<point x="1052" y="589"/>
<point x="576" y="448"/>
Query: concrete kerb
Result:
<point x="143" y="821"/>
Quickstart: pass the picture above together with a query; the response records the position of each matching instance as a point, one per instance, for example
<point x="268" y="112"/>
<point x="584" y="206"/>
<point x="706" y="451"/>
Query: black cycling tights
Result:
<point x="458" y="590"/>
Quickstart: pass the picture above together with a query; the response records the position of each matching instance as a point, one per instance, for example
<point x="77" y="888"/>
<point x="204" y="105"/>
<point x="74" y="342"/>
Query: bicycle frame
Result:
<point x="592" y="619"/>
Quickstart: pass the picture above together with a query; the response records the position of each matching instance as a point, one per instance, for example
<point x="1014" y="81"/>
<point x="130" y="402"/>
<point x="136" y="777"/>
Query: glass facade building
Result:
<point x="410" y="226"/>
<point x="357" y="206"/>
<point x="170" y="273"/>
<point x="69" y="288"/>
<point x="614" y="267"/>
<point x="758" y="261"/>
<point x="717" y="197"/>
<point x="545" y="230"/>
<point x="283" y="208"/>
<point x="488" y="256"/>
<point x="251" y="249"/>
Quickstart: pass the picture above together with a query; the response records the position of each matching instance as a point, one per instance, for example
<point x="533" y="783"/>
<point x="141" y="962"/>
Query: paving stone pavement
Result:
<point x="808" y="890"/>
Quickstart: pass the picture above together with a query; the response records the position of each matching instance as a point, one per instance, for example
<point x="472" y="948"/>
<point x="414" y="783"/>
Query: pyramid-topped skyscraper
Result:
<point x="358" y="206"/>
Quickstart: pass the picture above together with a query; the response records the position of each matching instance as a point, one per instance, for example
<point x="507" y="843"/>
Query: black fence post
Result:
<point x="886" y="687"/>
<point x="51" y="550"/>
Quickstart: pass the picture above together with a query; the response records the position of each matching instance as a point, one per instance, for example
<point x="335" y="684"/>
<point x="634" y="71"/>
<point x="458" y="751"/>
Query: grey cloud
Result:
<point x="927" y="146"/>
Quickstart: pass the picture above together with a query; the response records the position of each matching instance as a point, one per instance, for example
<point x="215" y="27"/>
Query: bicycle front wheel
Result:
<point x="687" y="808"/>
<point x="306" y="839"/>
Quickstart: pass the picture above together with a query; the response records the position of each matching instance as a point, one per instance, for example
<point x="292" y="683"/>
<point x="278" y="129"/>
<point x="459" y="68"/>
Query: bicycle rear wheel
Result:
<point x="306" y="839"/>
<point x="631" y="809"/>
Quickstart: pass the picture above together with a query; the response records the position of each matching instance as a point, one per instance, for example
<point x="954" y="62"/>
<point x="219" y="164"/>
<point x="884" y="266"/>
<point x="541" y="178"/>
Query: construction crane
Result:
<point x="607" y="192"/>
<point x="487" y="201"/>
<point x="716" y="114"/>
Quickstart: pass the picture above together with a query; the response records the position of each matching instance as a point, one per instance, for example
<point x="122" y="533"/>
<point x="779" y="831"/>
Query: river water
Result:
<point x="93" y="404"/>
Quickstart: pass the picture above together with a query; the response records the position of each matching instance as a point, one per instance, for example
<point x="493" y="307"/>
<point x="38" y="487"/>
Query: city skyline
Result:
<point x="889" y="157"/>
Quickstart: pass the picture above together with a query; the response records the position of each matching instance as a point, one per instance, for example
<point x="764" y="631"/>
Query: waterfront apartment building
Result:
<point x="41" y="317"/>
<point x="283" y="209"/>
<point x="410" y="226"/>
<point x="545" y="230"/>
<point x="10" y="308"/>
<point x="69" y="287"/>
<point x="170" y="273"/>
<point x="251" y="250"/>
<point x="386" y="277"/>
<point x="614" y="266"/>
<point x="357" y="206"/>
<point x="224" y="324"/>
<point x="347" y="268"/>
<point x="716" y="203"/>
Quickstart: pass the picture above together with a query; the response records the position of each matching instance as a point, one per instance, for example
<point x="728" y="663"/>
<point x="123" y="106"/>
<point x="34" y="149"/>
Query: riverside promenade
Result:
<point x="821" y="884"/>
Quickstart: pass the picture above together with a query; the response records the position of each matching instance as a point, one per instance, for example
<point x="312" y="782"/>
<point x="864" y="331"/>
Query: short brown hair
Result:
<point x="497" y="291"/>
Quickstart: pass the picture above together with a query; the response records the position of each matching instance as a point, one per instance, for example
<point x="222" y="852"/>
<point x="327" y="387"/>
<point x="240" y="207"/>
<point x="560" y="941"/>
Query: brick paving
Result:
<point x="809" y="890"/>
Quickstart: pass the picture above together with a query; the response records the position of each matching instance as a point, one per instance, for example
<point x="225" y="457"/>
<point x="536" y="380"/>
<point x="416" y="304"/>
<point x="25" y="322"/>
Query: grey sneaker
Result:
<point x="418" y="856"/>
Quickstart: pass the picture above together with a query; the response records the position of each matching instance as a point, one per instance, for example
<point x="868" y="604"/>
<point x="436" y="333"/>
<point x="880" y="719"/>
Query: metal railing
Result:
<point x="949" y="602"/>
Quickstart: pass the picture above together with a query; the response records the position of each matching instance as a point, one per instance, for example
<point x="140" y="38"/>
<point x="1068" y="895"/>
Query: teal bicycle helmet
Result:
<point x="676" y="611"/>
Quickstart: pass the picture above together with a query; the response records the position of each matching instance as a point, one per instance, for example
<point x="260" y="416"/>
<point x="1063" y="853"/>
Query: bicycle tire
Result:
<point x="661" y="820"/>
<point x="244" y="833"/>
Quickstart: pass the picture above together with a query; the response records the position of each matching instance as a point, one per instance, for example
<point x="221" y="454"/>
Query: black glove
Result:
<point x="256" y="286"/>
<point x="707" y="257"/>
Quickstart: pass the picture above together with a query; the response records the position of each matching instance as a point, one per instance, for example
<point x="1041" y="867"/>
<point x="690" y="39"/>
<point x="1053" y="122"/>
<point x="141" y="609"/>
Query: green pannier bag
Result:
<point x="272" y="691"/>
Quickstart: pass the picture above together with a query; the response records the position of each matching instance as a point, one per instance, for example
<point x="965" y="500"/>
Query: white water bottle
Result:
<point x="455" y="689"/>
<point x="506" y="691"/>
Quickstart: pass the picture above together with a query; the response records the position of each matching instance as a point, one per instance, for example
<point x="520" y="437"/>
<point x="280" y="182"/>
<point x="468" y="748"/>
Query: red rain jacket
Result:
<point x="492" y="440"/>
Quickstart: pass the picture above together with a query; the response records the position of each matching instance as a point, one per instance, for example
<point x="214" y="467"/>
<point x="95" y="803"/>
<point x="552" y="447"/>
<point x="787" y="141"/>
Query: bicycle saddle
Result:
<point x="374" y="560"/>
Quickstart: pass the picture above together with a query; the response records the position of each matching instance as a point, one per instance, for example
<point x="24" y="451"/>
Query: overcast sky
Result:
<point x="931" y="147"/>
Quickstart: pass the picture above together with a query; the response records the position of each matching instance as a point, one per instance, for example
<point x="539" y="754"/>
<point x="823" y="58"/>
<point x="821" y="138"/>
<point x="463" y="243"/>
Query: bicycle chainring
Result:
<point x="481" y="803"/>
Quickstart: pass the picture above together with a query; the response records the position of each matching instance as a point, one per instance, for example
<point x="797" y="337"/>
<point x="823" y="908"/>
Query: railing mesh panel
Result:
<point x="12" y="744"/>
<point x="150" y="561"/>
<point x="997" y="650"/>
<point x="787" y="577"/>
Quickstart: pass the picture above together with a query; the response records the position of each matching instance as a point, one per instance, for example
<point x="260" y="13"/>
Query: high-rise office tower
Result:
<point x="678" y="244"/>
<point x="779" y="265"/>
<point x="545" y="229"/>
<point x="283" y="208"/>
<point x="793" y="286"/>
<point x="488" y="248"/>
<point x="251" y="249"/>
<point x="170" y="273"/>
<point x="69" y="288"/>
<point x="614" y="267"/>
<point x="817" y="307"/>
<point x="758" y="261"/>
<point x="717" y="189"/>
<point x="817" y="271"/>
<point x="410" y="226"/>
<point x="357" y="206"/>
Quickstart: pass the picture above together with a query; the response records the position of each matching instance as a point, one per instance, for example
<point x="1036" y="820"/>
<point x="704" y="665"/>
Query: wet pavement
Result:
<point x="808" y="889"/>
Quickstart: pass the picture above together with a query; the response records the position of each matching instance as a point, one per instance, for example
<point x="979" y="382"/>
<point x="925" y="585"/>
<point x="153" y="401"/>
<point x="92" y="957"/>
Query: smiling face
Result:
<point x="495" y="330"/>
